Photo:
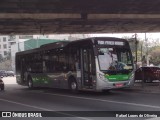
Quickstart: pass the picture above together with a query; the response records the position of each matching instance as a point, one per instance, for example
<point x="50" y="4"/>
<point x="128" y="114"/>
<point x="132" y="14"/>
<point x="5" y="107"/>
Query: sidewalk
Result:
<point x="9" y="80"/>
<point x="147" y="87"/>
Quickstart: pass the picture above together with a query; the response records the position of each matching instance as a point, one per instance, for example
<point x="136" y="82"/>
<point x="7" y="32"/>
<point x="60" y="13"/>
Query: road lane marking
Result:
<point x="102" y="100"/>
<point x="44" y="109"/>
<point x="18" y="103"/>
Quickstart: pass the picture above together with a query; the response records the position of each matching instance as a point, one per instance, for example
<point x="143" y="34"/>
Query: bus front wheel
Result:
<point x="30" y="83"/>
<point x="2" y="87"/>
<point x="73" y="85"/>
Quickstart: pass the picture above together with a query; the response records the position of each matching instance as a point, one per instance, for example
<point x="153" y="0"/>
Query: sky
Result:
<point x="141" y="36"/>
<point x="150" y="36"/>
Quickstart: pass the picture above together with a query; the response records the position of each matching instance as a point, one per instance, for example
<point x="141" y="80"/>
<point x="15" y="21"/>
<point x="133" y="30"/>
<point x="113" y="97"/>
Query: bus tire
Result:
<point x="73" y="85"/>
<point x="148" y="80"/>
<point x="2" y="88"/>
<point x="106" y="91"/>
<point x="30" y="83"/>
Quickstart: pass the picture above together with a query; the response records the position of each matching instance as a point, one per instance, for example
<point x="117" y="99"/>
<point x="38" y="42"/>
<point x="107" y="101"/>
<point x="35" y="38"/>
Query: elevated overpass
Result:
<point x="79" y="16"/>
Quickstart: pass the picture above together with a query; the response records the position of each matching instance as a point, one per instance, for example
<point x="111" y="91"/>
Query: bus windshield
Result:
<point x="114" y="59"/>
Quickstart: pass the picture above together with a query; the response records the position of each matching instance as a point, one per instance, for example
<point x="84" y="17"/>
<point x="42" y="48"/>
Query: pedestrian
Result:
<point x="144" y="61"/>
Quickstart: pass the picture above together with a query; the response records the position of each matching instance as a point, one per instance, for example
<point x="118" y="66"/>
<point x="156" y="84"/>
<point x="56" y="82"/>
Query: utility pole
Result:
<point x="141" y="50"/>
<point x="146" y="43"/>
<point x="19" y="46"/>
<point x="136" y="43"/>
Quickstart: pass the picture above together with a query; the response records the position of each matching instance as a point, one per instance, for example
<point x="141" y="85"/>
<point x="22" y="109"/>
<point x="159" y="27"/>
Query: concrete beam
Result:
<point x="123" y="16"/>
<point x="43" y="16"/>
<point x="38" y="16"/>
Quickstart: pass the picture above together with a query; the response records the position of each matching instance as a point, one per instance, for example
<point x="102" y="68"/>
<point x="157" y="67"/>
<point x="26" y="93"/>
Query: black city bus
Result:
<point x="95" y="64"/>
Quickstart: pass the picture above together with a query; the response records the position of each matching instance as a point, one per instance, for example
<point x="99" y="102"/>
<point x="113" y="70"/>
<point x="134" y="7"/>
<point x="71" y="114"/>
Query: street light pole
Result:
<point x="136" y="42"/>
<point x="141" y="50"/>
<point x="146" y="41"/>
<point x="19" y="46"/>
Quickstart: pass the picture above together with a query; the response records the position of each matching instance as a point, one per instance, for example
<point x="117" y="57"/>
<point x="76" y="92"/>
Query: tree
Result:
<point x="8" y="56"/>
<point x="150" y="48"/>
<point x="140" y="47"/>
<point x="155" y="55"/>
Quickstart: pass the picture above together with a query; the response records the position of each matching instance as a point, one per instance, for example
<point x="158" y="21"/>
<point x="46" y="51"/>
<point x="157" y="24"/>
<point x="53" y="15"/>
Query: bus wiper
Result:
<point x="112" y="72"/>
<point x="123" y="71"/>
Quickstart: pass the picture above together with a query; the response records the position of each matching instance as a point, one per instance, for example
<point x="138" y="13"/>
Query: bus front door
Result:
<point x="86" y="64"/>
<point x="22" y="70"/>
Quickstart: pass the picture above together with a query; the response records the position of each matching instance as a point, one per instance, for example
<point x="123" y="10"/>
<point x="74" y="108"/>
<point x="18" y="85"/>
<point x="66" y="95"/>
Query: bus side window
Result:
<point x="73" y="58"/>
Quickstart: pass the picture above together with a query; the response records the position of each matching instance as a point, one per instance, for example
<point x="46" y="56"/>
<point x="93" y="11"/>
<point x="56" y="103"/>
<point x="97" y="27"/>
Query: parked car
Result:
<point x="148" y="74"/>
<point x="1" y="84"/>
<point x="3" y="73"/>
<point x="9" y="73"/>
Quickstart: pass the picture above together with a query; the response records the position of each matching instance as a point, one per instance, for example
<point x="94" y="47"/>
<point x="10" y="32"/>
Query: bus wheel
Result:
<point x="106" y="91"/>
<point x="2" y="88"/>
<point x="148" y="80"/>
<point x="30" y="83"/>
<point x="73" y="85"/>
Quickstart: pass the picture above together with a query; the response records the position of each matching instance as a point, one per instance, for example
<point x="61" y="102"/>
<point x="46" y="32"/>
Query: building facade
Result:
<point x="5" y="45"/>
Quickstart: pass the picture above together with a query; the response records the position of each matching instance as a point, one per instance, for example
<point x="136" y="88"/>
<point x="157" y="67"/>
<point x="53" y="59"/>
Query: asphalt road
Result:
<point x="20" y="98"/>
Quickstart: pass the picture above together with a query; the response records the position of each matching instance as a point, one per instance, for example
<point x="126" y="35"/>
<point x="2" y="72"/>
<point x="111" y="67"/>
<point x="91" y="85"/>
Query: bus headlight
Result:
<point x="132" y="76"/>
<point x="101" y="76"/>
<point x="131" y="79"/>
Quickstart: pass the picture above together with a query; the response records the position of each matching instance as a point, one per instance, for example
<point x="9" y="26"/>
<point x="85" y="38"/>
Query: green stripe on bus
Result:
<point x="40" y="79"/>
<point x="119" y="77"/>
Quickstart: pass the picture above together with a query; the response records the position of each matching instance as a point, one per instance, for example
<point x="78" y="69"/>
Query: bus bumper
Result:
<point x="106" y="85"/>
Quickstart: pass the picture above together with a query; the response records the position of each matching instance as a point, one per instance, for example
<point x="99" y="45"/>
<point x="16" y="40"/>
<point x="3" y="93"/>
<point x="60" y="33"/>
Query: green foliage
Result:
<point x="155" y="55"/>
<point x="140" y="48"/>
<point x="8" y="56"/>
<point x="139" y="56"/>
<point x="143" y="48"/>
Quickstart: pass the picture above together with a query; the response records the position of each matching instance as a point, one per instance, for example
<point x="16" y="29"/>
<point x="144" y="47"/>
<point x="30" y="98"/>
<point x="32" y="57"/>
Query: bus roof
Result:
<point x="48" y="46"/>
<point x="97" y="38"/>
<point x="55" y="45"/>
<point x="61" y="44"/>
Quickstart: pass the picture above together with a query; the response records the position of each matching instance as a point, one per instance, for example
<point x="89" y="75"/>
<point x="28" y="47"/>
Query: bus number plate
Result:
<point x="119" y="85"/>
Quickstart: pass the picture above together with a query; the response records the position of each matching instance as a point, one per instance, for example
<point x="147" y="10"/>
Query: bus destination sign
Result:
<point x="120" y="43"/>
